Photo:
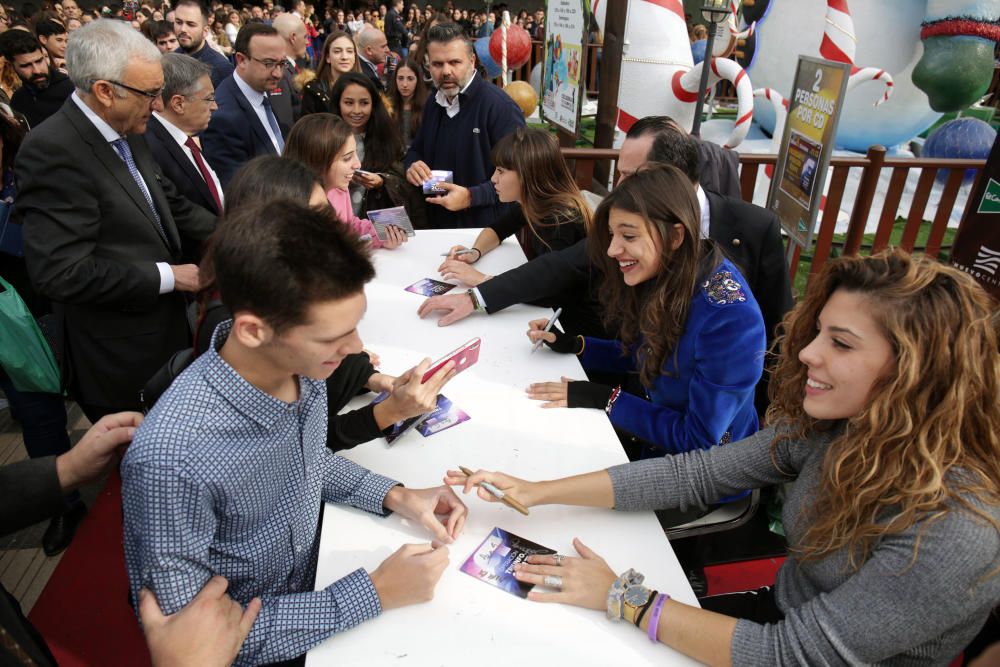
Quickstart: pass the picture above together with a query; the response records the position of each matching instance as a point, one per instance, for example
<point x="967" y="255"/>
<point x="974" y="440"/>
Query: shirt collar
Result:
<point x="253" y="97"/>
<point x="706" y="213"/>
<point x="179" y="135"/>
<point x="255" y="404"/>
<point x="109" y="133"/>
<point x="453" y="107"/>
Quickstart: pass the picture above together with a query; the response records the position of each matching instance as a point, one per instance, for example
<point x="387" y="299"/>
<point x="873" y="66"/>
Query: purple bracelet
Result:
<point x="654" y="620"/>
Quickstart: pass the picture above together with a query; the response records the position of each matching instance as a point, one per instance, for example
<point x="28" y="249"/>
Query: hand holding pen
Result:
<point x="495" y="487"/>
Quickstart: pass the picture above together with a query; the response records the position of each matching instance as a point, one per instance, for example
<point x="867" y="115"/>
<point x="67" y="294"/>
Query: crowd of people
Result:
<point x="192" y="187"/>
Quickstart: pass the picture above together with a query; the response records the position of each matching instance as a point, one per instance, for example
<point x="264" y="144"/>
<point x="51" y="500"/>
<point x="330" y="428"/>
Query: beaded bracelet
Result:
<point x="654" y="620"/>
<point x="615" y="393"/>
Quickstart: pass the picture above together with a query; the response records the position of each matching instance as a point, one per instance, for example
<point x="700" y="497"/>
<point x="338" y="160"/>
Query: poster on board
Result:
<point x="977" y="246"/>
<point x="565" y="56"/>
<point x="807" y="145"/>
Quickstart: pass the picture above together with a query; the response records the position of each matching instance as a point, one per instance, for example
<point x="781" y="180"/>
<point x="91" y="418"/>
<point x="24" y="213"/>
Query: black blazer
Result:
<point x="177" y="167"/>
<point x="235" y="135"/>
<point x="91" y="246"/>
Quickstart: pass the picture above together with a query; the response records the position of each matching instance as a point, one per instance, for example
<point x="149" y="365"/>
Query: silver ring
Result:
<point x="558" y="558"/>
<point x="552" y="581"/>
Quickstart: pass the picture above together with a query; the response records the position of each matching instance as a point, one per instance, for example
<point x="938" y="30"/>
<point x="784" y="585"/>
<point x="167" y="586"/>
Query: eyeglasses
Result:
<point x="207" y="100"/>
<point x="269" y="64"/>
<point x="150" y="95"/>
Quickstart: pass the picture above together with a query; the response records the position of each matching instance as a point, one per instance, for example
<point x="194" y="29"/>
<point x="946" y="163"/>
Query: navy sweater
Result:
<point x="463" y="145"/>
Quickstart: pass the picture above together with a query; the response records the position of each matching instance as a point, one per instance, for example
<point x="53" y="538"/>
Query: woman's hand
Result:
<point x="468" y="257"/>
<point x="555" y="394"/>
<point x="459" y="270"/>
<point x="527" y="493"/>
<point x="394" y="237"/>
<point x="536" y="331"/>
<point x="585" y="580"/>
<point x="368" y="179"/>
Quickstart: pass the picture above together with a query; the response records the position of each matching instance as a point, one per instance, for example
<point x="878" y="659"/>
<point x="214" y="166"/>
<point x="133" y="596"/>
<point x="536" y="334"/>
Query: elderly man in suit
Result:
<point x="246" y="124"/>
<point x="101" y="223"/>
<point x="188" y="102"/>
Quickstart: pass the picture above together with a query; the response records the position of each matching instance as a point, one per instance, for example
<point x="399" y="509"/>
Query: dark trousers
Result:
<point x="43" y="422"/>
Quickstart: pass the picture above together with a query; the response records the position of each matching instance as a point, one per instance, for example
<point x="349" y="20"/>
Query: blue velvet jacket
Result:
<point x="707" y="398"/>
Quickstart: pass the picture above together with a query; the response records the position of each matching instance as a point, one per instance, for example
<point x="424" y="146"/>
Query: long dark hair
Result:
<point x="383" y="145"/>
<point x="654" y="313"/>
<point x="548" y="191"/>
<point x="417" y="102"/>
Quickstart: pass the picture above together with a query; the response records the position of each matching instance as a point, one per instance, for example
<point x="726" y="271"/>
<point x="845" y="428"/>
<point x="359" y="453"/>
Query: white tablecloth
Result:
<point x="469" y="621"/>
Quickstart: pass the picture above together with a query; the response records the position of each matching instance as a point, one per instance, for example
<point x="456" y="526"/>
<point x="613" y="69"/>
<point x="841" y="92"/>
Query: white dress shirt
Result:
<point x="181" y="137"/>
<point x="110" y="135"/>
<point x="256" y="101"/>
<point x="452" y="107"/>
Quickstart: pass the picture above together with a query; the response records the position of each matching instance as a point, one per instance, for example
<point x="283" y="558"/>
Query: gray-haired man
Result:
<point x="101" y="222"/>
<point x="188" y="102"/>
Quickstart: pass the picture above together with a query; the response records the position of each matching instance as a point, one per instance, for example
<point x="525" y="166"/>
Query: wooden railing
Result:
<point x="583" y="160"/>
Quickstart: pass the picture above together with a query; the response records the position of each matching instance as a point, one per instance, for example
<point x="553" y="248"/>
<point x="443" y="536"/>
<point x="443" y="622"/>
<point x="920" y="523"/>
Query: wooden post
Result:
<point x="607" y="98"/>
<point x="863" y="200"/>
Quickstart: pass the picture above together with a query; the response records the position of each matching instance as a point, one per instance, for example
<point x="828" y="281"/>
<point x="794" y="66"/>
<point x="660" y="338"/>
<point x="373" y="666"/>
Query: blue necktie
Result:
<point x="273" y="122"/>
<point x="125" y="153"/>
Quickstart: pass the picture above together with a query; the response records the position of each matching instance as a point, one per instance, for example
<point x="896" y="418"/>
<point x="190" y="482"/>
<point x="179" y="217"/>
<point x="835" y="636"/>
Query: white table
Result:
<point x="469" y="621"/>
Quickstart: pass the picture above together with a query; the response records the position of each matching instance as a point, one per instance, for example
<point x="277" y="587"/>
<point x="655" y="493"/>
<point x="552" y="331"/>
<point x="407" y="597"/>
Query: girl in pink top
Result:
<point x="326" y="143"/>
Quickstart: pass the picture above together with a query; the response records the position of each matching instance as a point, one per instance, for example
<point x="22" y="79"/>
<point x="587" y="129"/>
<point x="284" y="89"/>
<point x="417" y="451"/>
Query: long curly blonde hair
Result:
<point x="928" y="441"/>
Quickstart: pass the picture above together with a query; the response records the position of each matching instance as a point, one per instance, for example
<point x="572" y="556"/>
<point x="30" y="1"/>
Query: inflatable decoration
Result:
<point x="965" y="138"/>
<point x="658" y="74"/>
<point x="485" y="59"/>
<point x="518" y="46"/>
<point x="525" y="96"/>
<point x="929" y="55"/>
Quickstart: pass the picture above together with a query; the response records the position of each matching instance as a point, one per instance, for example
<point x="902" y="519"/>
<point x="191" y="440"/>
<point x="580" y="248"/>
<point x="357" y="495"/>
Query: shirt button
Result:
<point x="736" y="242"/>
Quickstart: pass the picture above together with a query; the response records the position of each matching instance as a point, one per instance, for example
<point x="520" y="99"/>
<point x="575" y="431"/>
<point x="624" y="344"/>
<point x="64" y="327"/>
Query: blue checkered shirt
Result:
<point x="223" y="478"/>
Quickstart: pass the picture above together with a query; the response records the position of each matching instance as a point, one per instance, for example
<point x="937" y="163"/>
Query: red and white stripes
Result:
<point x="839" y="44"/>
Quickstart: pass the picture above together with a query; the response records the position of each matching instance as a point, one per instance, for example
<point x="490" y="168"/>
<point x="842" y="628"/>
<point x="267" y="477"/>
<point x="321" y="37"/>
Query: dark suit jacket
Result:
<point x="235" y="135"/>
<point x="747" y="234"/>
<point x="371" y="71"/>
<point x="286" y="101"/>
<point x="92" y="244"/>
<point x="185" y="176"/>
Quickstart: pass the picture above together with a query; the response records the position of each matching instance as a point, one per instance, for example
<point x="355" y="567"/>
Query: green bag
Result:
<point x="24" y="353"/>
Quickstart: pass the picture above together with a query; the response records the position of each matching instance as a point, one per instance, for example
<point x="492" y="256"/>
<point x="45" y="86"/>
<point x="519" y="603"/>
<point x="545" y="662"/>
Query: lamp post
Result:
<point x="715" y="12"/>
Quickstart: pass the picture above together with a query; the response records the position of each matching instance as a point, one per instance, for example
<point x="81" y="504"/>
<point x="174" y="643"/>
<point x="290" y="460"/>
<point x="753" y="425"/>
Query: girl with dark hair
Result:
<point x="687" y="322"/>
<point x="408" y="94"/>
<point x="339" y="57"/>
<point x="325" y="143"/>
<point x="885" y="429"/>
<point x="381" y="184"/>
<point x="549" y="214"/>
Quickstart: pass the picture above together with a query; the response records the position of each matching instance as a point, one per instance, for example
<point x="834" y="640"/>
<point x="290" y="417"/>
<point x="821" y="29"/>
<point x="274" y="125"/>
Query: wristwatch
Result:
<point x="616" y="602"/>
<point x="476" y="305"/>
<point x="636" y="599"/>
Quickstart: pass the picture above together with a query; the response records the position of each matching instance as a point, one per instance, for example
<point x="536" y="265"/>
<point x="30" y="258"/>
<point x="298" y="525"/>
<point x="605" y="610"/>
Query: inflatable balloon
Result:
<point x="536" y="78"/>
<point x="485" y="59"/>
<point x="518" y="46"/>
<point x="525" y="96"/>
<point x="965" y="138"/>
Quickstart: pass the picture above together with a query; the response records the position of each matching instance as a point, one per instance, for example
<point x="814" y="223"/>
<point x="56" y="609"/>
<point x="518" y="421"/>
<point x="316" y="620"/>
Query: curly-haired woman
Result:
<point x="884" y="422"/>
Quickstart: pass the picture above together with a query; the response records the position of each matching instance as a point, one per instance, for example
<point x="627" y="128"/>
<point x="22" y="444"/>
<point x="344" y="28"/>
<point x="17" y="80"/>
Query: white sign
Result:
<point x="565" y="55"/>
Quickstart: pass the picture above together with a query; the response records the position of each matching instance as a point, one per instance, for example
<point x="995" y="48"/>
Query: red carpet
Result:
<point x="83" y="613"/>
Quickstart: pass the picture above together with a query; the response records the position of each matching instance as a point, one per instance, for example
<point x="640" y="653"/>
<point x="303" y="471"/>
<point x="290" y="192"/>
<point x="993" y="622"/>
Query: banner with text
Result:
<point x="565" y="56"/>
<point x="807" y="145"/>
<point x="977" y="246"/>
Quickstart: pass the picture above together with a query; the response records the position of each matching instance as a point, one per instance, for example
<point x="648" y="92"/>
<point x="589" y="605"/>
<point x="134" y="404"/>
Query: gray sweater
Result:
<point x="888" y="612"/>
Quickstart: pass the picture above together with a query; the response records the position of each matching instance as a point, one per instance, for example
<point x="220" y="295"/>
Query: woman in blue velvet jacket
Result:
<point x="689" y="325"/>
